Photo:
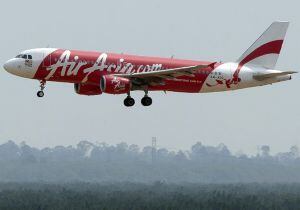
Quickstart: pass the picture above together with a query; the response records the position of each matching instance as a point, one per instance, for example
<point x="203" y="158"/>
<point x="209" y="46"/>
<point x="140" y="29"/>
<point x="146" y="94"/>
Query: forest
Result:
<point x="98" y="163"/>
<point x="101" y="176"/>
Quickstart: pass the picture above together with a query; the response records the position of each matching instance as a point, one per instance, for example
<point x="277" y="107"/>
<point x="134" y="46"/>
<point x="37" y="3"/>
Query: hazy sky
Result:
<point x="201" y="30"/>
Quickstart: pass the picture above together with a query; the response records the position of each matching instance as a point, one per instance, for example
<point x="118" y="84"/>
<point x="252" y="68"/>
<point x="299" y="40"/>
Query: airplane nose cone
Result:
<point x="6" y="65"/>
<point x="9" y="66"/>
<point x="16" y="67"/>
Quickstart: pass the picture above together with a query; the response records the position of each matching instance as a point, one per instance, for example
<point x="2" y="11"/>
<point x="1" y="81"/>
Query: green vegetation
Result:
<point x="155" y="196"/>
<point x="98" y="163"/>
<point x="100" y="176"/>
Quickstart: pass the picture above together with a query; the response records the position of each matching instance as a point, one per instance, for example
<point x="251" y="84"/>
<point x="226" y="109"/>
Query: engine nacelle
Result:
<point x="115" y="85"/>
<point x="87" y="89"/>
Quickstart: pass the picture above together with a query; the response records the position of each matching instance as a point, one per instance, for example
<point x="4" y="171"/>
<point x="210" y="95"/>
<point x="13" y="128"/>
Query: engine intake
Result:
<point x="115" y="85"/>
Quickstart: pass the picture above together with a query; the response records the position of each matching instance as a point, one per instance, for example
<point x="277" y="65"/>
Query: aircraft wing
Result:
<point x="261" y="77"/>
<point x="156" y="77"/>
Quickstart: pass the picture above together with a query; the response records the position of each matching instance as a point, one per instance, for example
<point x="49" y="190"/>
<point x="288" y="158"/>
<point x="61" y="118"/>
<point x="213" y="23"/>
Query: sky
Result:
<point x="200" y="30"/>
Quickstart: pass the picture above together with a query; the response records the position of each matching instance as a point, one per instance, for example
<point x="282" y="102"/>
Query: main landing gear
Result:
<point x="129" y="102"/>
<point x="146" y="100"/>
<point x="41" y="93"/>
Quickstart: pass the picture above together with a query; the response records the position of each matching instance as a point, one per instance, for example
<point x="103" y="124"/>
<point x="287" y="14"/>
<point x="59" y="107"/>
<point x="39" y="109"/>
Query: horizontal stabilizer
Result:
<point x="261" y="77"/>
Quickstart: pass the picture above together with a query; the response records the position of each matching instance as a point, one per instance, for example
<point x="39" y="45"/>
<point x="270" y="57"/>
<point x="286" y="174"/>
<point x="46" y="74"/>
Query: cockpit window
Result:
<point x="24" y="56"/>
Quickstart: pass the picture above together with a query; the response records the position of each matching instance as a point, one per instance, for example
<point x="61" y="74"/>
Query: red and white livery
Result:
<point x="94" y="73"/>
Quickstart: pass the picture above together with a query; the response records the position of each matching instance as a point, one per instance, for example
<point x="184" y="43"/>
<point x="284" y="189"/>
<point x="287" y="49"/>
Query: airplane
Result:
<point x="94" y="73"/>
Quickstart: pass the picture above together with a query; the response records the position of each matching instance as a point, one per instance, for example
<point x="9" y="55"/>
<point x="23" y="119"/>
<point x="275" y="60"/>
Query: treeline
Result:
<point x="155" y="196"/>
<point x="88" y="162"/>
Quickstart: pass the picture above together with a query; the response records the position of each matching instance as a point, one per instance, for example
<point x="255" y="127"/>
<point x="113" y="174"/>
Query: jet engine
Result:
<point x="87" y="89"/>
<point x="115" y="85"/>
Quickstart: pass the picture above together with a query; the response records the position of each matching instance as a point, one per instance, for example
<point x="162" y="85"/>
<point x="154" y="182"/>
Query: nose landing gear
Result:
<point x="41" y="93"/>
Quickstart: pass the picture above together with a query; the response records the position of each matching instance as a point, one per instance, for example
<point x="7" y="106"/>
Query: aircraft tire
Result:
<point x="129" y="102"/>
<point x="40" y="94"/>
<point x="146" y="101"/>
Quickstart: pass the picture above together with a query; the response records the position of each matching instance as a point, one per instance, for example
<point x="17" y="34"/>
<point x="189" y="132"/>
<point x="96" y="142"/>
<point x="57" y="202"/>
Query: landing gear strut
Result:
<point x="146" y="100"/>
<point x="41" y="93"/>
<point x="129" y="102"/>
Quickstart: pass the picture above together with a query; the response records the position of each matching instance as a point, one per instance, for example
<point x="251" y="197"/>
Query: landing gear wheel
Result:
<point x="129" y="102"/>
<point x="146" y="101"/>
<point x="40" y="94"/>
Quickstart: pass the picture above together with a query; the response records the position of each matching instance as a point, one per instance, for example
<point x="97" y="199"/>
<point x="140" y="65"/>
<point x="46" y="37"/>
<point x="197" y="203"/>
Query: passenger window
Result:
<point x="24" y="56"/>
<point x="30" y="57"/>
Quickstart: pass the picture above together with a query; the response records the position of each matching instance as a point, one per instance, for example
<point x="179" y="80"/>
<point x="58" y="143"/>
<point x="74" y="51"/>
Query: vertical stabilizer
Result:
<point x="266" y="50"/>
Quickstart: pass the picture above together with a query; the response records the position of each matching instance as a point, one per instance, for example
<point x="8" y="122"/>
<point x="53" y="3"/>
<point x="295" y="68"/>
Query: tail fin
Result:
<point x="265" y="51"/>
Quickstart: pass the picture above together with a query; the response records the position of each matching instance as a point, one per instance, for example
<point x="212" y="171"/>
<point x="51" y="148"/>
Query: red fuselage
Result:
<point x="88" y="67"/>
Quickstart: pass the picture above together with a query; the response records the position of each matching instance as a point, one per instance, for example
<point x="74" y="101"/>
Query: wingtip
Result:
<point x="291" y="72"/>
<point x="282" y="21"/>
